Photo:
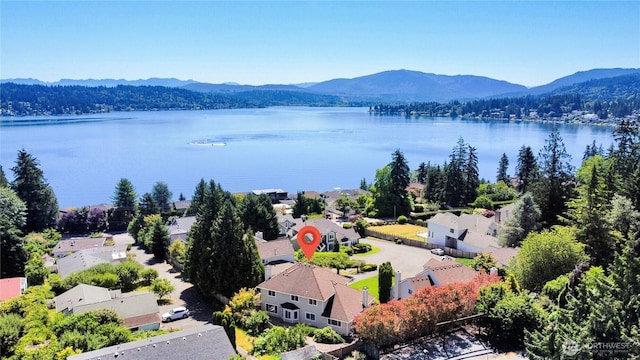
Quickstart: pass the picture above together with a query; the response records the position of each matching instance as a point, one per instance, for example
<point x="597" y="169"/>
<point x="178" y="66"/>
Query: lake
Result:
<point x="292" y="148"/>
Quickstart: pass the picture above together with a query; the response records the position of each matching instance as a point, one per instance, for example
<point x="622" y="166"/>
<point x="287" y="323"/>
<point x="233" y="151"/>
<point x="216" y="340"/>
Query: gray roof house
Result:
<point x="200" y="343"/>
<point x="84" y="259"/>
<point x="331" y="232"/>
<point x="138" y="309"/>
<point x="180" y="227"/>
<point x="472" y="233"/>
<point x="275" y="251"/>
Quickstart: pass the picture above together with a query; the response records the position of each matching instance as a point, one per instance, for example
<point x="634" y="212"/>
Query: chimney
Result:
<point x="260" y="235"/>
<point x="365" y="296"/>
<point x="267" y="272"/>
<point x="493" y="271"/>
<point x="396" y="287"/>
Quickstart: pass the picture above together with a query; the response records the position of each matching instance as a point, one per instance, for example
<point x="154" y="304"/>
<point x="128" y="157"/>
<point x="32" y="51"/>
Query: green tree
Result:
<point x="3" y="178"/>
<point x="128" y="274"/>
<point x="35" y="271"/>
<point x="483" y="262"/>
<point x="11" y="327"/>
<point x="125" y="204"/>
<point x="31" y="187"/>
<point x="12" y="218"/>
<point x="555" y="187"/>
<point x="162" y="287"/>
<point x="148" y="275"/>
<point x="524" y="219"/>
<point x="546" y="255"/>
<point x="159" y="235"/>
<point x="503" y="165"/>
<point x="177" y="251"/>
<point x="148" y="205"/>
<point x="225" y="319"/>
<point x="162" y="196"/>
<point x="526" y="169"/>
<point x="258" y="214"/>
<point x="422" y="173"/>
<point x="344" y="204"/>
<point x="471" y="176"/>
<point x="624" y="218"/>
<point x="385" y="280"/>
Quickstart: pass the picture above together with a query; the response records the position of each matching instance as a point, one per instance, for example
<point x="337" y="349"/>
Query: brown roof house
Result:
<point x="69" y="246"/>
<point x="404" y="288"/>
<point x="275" y="251"/>
<point x="138" y="309"/>
<point x="204" y="342"/>
<point x="317" y="296"/>
<point x="447" y="271"/>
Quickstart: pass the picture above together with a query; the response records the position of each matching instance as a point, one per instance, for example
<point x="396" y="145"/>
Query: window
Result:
<point x="410" y="291"/>
<point x="310" y="316"/>
<point x="313" y="302"/>
<point x="272" y="293"/>
<point x="451" y="231"/>
<point x="273" y="309"/>
<point x="334" y="322"/>
<point x="294" y="298"/>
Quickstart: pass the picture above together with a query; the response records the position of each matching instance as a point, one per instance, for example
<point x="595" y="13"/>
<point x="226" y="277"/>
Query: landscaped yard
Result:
<point x="371" y="283"/>
<point x="374" y="249"/>
<point x="405" y="230"/>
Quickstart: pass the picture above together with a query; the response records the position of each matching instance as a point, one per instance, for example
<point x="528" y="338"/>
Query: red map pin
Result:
<point x="309" y="238"/>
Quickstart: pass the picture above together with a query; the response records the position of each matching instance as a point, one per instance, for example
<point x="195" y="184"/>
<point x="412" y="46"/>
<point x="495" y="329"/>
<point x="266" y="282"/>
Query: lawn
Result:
<point x="371" y="283"/>
<point x="465" y="262"/>
<point x="374" y="249"/>
<point x="405" y="230"/>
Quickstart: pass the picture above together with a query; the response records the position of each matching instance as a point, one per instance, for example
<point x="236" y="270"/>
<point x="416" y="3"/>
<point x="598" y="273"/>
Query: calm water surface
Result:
<point x="293" y="148"/>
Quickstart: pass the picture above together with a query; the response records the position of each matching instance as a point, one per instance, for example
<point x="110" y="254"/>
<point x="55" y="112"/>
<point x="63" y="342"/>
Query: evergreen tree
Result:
<point x="524" y="219"/>
<point x="31" y="187"/>
<point x="258" y="214"/>
<point x="181" y="197"/>
<point x="455" y="175"/>
<point x="624" y="218"/>
<point x="627" y="152"/>
<point x="472" y="180"/>
<point x="385" y="280"/>
<point x="400" y="180"/>
<point x="526" y="169"/>
<point x="159" y="239"/>
<point x="363" y="184"/>
<point x="12" y="218"/>
<point x="555" y="186"/>
<point x="3" y="178"/>
<point x="162" y="196"/>
<point x="502" y="169"/>
<point x="198" y="198"/>
<point x="422" y="173"/>
<point x="148" y="205"/>
<point x="125" y="204"/>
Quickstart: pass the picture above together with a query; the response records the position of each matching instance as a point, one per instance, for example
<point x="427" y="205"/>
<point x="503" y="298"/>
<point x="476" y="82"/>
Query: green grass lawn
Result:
<point x="405" y="230"/>
<point x="371" y="283"/>
<point x="374" y="249"/>
<point x="465" y="262"/>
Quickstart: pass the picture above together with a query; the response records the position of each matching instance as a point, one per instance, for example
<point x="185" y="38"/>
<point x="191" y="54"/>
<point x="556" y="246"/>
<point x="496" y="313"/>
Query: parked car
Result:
<point x="180" y="312"/>
<point x="437" y="251"/>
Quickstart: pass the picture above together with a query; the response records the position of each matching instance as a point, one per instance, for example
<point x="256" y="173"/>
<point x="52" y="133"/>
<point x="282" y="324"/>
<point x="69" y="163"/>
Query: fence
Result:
<point x="420" y="244"/>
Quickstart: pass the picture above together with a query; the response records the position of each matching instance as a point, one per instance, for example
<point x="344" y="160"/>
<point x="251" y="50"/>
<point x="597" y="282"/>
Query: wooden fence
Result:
<point x="420" y="244"/>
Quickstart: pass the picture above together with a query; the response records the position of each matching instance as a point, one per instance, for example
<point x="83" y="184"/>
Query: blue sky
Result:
<point x="529" y="43"/>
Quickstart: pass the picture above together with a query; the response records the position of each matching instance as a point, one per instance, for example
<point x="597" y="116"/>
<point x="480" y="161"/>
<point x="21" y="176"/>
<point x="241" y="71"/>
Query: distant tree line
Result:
<point x="21" y="100"/>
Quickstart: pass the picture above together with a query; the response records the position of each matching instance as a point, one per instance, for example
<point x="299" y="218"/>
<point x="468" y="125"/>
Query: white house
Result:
<point x="472" y="233"/>
<point x="306" y="293"/>
<point x="331" y="233"/>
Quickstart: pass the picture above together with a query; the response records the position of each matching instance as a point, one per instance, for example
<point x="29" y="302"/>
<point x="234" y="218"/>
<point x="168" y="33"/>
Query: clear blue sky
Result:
<point x="529" y="43"/>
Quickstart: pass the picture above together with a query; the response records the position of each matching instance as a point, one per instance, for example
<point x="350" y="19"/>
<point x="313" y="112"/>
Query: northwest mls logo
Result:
<point x="570" y="348"/>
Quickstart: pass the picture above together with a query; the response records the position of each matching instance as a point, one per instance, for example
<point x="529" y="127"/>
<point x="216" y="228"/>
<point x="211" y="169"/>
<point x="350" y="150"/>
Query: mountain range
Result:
<point x="387" y="86"/>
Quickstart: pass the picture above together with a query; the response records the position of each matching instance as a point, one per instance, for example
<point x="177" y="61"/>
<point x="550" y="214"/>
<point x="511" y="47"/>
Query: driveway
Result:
<point x="184" y="294"/>
<point x="406" y="259"/>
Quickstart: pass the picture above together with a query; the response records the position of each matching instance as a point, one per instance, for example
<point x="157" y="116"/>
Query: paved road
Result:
<point x="406" y="259"/>
<point x="185" y="294"/>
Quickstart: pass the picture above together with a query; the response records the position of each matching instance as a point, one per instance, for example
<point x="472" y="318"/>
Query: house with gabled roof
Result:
<point x="275" y="251"/>
<point x="12" y="287"/>
<point x="404" y="288"/>
<point x="332" y="233"/>
<point x="200" y="343"/>
<point x="84" y="259"/>
<point x="69" y="246"/>
<point x="305" y="293"/>
<point x="138" y="309"/>
<point x="447" y="271"/>
<point x="179" y="228"/>
<point x="467" y="232"/>
<point x="274" y="194"/>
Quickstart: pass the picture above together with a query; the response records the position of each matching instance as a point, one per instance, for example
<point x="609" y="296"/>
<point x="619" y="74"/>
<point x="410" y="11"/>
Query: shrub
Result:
<point x="402" y="219"/>
<point x="256" y="322"/>
<point x="347" y="225"/>
<point x="277" y="340"/>
<point x="398" y="241"/>
<point x="327" y="335"/>
<point x="361" y="248"/>
<point x="368" y="267"/>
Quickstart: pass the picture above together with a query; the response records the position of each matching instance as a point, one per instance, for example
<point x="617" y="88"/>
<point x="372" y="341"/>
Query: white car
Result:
<point x="180" y="312"/>
<point x="437" y="251"/>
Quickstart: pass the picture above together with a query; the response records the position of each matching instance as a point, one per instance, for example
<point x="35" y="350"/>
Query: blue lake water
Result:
<point x="292" y="148"/>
